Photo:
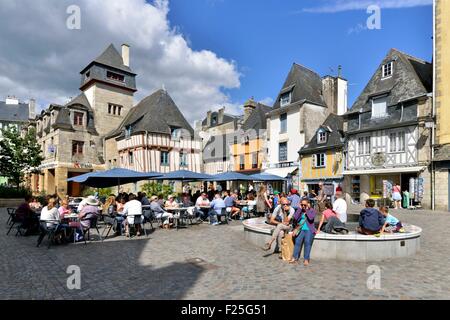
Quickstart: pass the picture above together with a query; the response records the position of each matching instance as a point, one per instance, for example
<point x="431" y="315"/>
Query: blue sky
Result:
<point x="264" y="37"/>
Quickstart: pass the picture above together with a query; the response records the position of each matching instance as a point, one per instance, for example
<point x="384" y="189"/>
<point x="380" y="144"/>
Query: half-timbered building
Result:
<point x="154" y="137"/>
<point x="388" y="132"/>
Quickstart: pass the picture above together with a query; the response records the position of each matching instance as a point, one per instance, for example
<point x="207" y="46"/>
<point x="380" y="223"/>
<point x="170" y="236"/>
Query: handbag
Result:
<point x="298" y="228"/>
<point x="287" y="247"/>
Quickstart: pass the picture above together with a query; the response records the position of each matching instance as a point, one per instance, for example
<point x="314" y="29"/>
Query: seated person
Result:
<point x="133" y="211"/>
<point x="391" y="224"/>
<point x="216" y="209"/>
<point x="171" y="203"/>
<point x="27" y="216"/>
<point x="90" y="210"/>
<point x="251" y="203"/>
<point x="230" y="200"/>
<point x="202" y="206"/>
<point x="159" y="211"/>
<point x="281" y="218"/>
<point x="64" y="209"/>
<point x="186" y="200"/>
<point x="35" y="205"/>
<point x="51" y="217"/>
<point x="370" y="220"/>
<point x="330" y="221"/>
<point x="144" y="199"/>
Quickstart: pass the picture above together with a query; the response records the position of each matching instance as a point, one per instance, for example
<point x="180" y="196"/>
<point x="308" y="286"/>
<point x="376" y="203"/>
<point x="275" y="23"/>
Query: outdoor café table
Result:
<point x="178" y="215"/>
<point x="242" y="204"/>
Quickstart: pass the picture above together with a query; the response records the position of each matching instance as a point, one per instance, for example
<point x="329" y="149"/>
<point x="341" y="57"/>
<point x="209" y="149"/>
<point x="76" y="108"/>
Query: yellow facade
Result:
<point x="248" y="150"/>
<point x="332" y="170"/>
<point x="442" y="39"/>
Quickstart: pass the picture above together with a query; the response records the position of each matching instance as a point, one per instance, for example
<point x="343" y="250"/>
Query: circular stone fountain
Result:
<point x="350" y="247"/>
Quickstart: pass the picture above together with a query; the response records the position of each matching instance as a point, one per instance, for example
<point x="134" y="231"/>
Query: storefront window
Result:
<point x="376" y="184"/>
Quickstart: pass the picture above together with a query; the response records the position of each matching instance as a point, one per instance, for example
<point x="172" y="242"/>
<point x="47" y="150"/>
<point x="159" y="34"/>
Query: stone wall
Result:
<point x="441" y="189"/>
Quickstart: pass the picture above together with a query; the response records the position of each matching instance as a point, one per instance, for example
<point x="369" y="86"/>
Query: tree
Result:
<point x="156" y="189"/>
<point x="18" y="154"/>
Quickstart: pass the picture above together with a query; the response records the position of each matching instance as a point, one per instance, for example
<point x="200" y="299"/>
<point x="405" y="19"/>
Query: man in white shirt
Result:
<point x="340" y="207"/>
<point x="133" y="211"/>
<point x="202" y="206"/>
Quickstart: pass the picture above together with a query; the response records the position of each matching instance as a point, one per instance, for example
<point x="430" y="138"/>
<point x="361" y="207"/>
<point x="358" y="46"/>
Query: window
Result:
<point x="183" y="159"/>
<point x="282" y="152"/>
<point x="322" y="137"/>
<point x="121" y="161"/>
<point x="241" y="162"/>
<point x="283" y="123"/>
<point x="319" y="160"/>
<point x="387" y="69"/>
<point x="379" y="107"/>
<point x="77" y="147"/>
<point x="131" y="157"/>
<point x="164" y="158"/>
<point x="175" y="133"/>
<point x="115" y="76"/>
<point x="214" y="120"/>
<point x="401" y="142"/>
<point x="392" y="142"/>
<point x="255" y="160"/>
<point x="364" y="146"/>
<point x="114" y="109"/>
<point x="397" y="142"/>
<point x="78" y="118"/>
<point x="285" y="99"/>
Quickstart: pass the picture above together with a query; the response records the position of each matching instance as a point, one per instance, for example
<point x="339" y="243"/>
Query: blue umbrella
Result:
<point x="184" y="175"/>
<point x="231" y="176"/>
<point x="266" y="177"/>
<point x="113" y="177"/>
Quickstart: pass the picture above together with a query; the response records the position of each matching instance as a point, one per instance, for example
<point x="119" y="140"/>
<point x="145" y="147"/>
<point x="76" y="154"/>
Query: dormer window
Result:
<point x="379" y="107"/>
<point x="115" y="76"/>
<point x="285" y="99"/>
<point x="388" y="69"/>
<point x="78" y="118"/>
<point x="128" y="132"/>
<point x="175" y="133"/>
<point x="214" y="120"/>
<point x="322" y="136"/>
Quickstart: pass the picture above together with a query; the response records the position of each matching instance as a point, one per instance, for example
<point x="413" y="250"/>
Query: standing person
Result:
<point x="321" y="197"/>
<point x="304" y="217"/>
<point x="262" y="201"/>
<point x="370" y="219"/>
<point x="276" y="198"/>
<point x="294" y="198"/>
<point x="281" y="218"/>
<point x="340" y="207"/>
<point x="211" y="192"/>
<point x="397" y="196"/>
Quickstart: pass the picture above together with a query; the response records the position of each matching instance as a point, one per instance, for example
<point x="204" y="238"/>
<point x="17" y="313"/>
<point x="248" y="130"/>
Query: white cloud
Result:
<point x="360" y="27"/>
<point x="41" y="58"/>
<point x="332" y="6"/>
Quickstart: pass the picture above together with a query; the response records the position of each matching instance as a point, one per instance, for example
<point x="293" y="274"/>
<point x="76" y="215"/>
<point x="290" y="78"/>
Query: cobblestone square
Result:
<point x="206" y="262"/>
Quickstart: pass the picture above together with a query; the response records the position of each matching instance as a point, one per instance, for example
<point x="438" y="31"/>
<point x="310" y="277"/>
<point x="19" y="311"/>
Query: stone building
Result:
<point x="388" y="132"/>
<point x="302" y="105"/>
<point x="72" y="135"/>
<point x="154" y="137"/>
<point x="441" y="178"/>
<point x="216" y="132"/>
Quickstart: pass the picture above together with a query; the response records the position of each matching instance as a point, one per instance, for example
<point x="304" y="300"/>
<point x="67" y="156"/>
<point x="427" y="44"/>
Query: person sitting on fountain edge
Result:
<point x="370" y="220"/>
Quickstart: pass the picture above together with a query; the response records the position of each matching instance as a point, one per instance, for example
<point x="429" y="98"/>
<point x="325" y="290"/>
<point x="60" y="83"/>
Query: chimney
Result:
<point x="220" y="115"/>
<point x="126" y="54"/>
<point x="342" y="87"/>
<point x="32" y="109"/>
<point x="249" y="106"/>
<point x="208" y="119"/>
<point x="12" y="100"/>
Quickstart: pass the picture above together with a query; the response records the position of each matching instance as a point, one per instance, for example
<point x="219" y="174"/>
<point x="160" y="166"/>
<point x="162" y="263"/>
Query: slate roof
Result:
<point x="442" y="153"/>
<point x="14" y="112"/>
<point x="156" y="113"/>
<point x="63" y="120"/>
<point x="305" y="84"/>
<point x="411" y="78"/>
<point x="334" y="125"/>
<point x="226" y="119"/>
<point x="257" y="119"/>
<point x="112" y="58"/>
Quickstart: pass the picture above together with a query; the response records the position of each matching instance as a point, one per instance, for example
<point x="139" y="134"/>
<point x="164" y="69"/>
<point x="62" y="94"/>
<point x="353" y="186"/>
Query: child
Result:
<point x="391" y="224"/>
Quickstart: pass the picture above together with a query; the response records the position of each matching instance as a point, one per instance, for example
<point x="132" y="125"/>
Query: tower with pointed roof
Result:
<point x="109" y="85"/>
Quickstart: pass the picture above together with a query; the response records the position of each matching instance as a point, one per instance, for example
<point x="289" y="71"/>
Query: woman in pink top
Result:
<point x="333" y="224"/>
<point x="397" y="196"/>
<point x="64" y="209"/>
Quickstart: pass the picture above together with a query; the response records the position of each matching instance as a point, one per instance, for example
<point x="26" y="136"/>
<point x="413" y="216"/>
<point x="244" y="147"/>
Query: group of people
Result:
<point x="374" y="221"/>
<point x="295" y="215"/>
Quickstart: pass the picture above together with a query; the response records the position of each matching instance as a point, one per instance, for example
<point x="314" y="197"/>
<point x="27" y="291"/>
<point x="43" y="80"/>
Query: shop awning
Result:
<point x="282" y="172"/>
<point x="384" y="171"/>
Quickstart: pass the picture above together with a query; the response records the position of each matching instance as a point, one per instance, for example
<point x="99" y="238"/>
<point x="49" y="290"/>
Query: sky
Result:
<point x="206" y="53"/>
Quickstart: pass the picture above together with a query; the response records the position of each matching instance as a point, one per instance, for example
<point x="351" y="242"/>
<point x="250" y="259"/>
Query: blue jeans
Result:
<point x="306" y="237"/>
<point x="212" y="216"/>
